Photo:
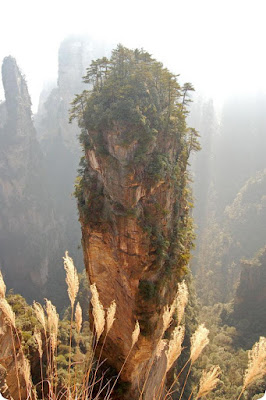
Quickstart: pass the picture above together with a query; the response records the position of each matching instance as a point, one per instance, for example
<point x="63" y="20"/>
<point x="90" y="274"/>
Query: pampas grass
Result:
<point x="110" y="318"/>
<point x="172" y="349"/>
<point x="181" y="301"/>
<point x="135" y="334"/>
<point x="256" y="364"/>
<point x="52" y="317"/>
<point x="160" y="348"/>
<point x="209" y="381"/>
<point x="78" y="318"/>
<point x="97" y="311"/>
<point x="38" y="339"/>
<point x="199" y="341"/>
<point x="71" y="278"/>
<point x="8" y="313"/>
<point x="40" y="315"/>
<point x="175" y="346"/>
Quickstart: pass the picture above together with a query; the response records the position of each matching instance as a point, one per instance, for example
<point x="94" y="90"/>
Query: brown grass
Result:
<point x="78" y="317"/>
<point x="71" y="278"/>
<point x="199" y="341"/>
<point x="97" y="312"/>
<point x="209" y="380"/>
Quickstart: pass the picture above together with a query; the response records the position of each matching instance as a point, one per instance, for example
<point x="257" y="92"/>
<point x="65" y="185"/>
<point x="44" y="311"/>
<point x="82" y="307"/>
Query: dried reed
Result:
<point x="8" y="313"/>
<point x="135" y="334"/>
<point x="39" y="312"/>
<point x="256" y="364"/>
<point x="52" y="317"/>
<point x="71" y="278"/>
<point x="78" y="318"/>
<point x="175" y="346"/>
<point x="38" y="339"/>
<point x="160" y="347"/>
<point x="209" y="381"/>
<point x="97" y="311"/>
<point x="199" y="341"/>
<point x="110" y="318"/>
<point x="181" y="301"/>
<point x="167" y="316"/>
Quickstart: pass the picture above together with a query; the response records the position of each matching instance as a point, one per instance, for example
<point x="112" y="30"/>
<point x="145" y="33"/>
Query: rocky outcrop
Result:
<point x="136" y="235"/>
<point x="229" y="206"/>
<point x="58" y="139"/>
<point x="238" y="233"/>
<point x="14" y="368"/>
<point x="74" y="56"/>
<point x="125" y="256"/>
<point x="250" y="299"/>
<point x="27" y="223"/>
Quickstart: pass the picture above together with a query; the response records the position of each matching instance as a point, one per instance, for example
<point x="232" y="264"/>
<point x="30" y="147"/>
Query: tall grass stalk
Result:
<point x="135" y="336"/>
<point x="256" y="364"/>
<point x="38" y="339"/>
<point x="209" y="381"/>
<point x="110" y="318"/>
<point x="72" y="289"/>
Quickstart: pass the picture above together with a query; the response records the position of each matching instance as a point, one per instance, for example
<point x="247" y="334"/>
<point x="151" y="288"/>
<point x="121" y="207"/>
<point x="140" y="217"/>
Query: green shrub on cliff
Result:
<point x="133" y="90"/>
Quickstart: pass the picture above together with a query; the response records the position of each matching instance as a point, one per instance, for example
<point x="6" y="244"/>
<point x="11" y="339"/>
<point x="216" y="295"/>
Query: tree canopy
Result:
<point x="133" y="89"/>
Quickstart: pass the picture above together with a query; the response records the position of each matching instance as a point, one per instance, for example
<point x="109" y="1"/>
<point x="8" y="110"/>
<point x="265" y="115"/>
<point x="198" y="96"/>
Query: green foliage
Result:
<point x="147" y="289"/>
<point x="133" y="90"/>
<point x="25" y="321"/>
<point x="159" y="167"/>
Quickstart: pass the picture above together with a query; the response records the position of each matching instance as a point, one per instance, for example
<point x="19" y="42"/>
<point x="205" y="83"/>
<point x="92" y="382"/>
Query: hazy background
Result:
<point x="219" y="46"/>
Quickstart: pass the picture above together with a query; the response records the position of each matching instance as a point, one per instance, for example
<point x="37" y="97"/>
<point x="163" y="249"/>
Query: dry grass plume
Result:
<point x="97" y="311"/>
<point x="199" y="341"/>
<point x="71" y="278"/>
<point x="110" y="316"/>
<point x="78" y="317"/>
<point x="209" y="381"/>
<point x="175" y="346"/>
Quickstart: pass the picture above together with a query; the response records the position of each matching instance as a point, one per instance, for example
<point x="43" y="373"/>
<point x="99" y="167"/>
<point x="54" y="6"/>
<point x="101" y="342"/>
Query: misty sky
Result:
<point x="219" y="46"/>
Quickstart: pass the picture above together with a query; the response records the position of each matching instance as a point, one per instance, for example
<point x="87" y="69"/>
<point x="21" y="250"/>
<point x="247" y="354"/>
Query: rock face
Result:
<point x="134" y="214"/>
<point x="250" y="300"/>
<point x="230" y="192"/>
<point x="124" y="260"/>
<point x="74" y="56"/>
<point x="58" y="139"/>
<point x="38" y="215"/>
<point x="27" y="224"/>
<point x="14" y="364"/>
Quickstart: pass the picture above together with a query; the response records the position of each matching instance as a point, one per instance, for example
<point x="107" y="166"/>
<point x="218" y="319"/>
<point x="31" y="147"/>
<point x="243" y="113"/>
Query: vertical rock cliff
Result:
<point x="231" y="217"/>
<point x="27" y="224"/>
<point x="59" y="139"/>
<point x="16" y="367"/>
<point x="134" y="202"/>
<point x="250" y="300"/>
